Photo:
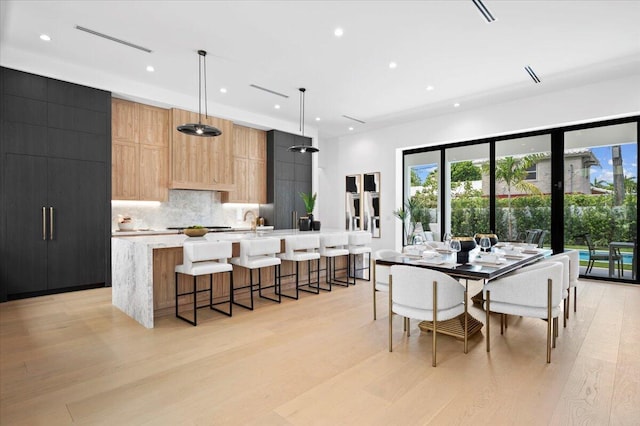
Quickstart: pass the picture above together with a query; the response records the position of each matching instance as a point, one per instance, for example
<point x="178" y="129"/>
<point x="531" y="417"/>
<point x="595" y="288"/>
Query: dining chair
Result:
<point x="595" y="255"/>
<point x="566" y="282"/>
<point x="534" y="291"/>
<point x="426" y="295"/>
<point x="381" y="274"/>
<point x="574" y="274"/>
<point x="203" y="258"/>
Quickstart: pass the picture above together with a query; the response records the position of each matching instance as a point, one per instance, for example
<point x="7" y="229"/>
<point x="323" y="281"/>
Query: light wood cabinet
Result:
<point x="200" y="162"/>
<point x="140" y="151"/>
<point x="249" y="152"/>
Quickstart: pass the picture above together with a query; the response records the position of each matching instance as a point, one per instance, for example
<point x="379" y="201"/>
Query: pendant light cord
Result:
<point x="302" y="90"/>
<point x="200" y="87"/>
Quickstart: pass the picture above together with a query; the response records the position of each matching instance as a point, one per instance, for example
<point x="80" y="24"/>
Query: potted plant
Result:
<point x="309" y="204"/>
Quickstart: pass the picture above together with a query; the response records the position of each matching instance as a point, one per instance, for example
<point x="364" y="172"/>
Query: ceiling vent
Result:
<point x="273" y="92"/>
<point x="117" y="40"/>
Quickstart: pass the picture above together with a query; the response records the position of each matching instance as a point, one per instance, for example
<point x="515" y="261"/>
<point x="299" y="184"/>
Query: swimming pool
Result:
<point x="626" y="257"/>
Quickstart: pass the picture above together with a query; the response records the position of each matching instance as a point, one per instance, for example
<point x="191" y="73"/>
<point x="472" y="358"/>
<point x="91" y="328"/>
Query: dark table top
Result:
<point x="472" y="270"/>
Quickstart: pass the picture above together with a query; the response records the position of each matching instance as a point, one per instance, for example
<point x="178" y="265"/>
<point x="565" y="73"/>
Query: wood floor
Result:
<point x="322" y="360"/>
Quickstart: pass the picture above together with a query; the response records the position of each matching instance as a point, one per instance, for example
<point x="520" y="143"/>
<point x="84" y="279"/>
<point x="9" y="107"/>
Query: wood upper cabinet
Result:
<point x="140" y="151"/>
<point x="202" y="163"/>
<point x="249" y="152"/>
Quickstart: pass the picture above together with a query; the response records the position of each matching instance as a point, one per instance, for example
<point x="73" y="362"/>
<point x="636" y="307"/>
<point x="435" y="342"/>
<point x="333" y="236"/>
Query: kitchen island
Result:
<point x="143" y="270"/>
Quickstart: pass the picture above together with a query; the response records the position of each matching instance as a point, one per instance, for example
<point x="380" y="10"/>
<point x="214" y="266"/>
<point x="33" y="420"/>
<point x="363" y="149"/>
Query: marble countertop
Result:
<point x="177" y="240"/>
<point x="139" y="232"/>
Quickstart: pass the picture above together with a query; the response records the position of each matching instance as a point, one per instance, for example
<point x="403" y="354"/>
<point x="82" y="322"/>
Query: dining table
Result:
<point x="477" y="268"/>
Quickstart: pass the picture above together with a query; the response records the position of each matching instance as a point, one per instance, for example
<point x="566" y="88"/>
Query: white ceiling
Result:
<point x="284" y="45"/>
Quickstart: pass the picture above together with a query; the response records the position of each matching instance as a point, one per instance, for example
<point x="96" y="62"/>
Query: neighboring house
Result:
<point x="577" y="174"/>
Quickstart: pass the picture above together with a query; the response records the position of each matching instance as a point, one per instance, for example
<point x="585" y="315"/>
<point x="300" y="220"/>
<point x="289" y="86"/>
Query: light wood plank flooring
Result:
<point x="322" y="360"/>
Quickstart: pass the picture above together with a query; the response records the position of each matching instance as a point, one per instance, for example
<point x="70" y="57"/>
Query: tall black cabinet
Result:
<point x="288" y="174"/>
<point x="55" y="186"/>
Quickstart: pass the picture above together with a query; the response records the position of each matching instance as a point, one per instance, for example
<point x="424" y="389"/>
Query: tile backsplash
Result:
<point x="184" y="208"/>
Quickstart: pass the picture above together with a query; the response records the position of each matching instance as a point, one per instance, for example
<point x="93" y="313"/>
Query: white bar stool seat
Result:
<point x="332" y="246"/>
<point x="258" y="253"/>
<point x="359" y="244"/>
<point x="204" y="258"/>
<point x="303" y="248"/>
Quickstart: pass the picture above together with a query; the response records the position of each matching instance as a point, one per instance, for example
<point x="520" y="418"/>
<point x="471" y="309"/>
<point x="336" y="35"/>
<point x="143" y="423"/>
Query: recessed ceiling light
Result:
<point x="45" y="37"/>
<point x="223" y="90"/>
<point x="276" y="106"/>
<point x="317" y="118"/>
<point x="456" y="105"/>
<point x="350" y="128"/>
<point x="429" y="88"/>
<point x="338" y="32"/>
<point x="393" y="65"/>
<point x="150" y="68"/>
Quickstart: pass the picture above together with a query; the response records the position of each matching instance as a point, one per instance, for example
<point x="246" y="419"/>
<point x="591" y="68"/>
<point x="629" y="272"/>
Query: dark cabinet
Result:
<point x="288" y="174"/>
<point x="55" y="186"/>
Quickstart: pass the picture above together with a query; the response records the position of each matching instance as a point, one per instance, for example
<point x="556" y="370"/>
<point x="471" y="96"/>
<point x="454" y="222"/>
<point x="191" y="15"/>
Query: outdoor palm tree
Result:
<point x="512" y="172"/>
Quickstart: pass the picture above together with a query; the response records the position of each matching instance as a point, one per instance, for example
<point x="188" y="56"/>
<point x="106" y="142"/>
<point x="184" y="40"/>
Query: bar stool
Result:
<point x="332" y="246"/>
<point x="359" y="244"/>
<point x="204" y="258"/>
<point x="301" y="248"/>
<point x="258" y="253"/>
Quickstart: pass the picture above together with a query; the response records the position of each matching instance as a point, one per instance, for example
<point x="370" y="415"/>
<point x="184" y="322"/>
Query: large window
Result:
<point x="468" y="192"/>
<point x="523" y="204"/>
<point x="601" y="198"/>
<point x="575" y="186"/>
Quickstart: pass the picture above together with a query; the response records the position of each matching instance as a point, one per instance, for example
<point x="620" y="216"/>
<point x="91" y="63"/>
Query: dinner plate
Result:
<point x="496" y="263"/>
<point x="432" y="261"/>
<point x="514" y="256"/>
<point x="441" y="250"/>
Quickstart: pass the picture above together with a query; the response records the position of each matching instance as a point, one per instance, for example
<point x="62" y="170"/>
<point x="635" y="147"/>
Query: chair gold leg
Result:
<point x="390" y="312"/>
<point x="555" y="332"/>
<point x="549" y="320"/>
<point x="575" y="299"/>
<point x="435" y="322"/>
<point x="407" y="322"/>
<point x="487" y="322"/>
<point x="466" y="324"/>
<point x="501" y="324"/>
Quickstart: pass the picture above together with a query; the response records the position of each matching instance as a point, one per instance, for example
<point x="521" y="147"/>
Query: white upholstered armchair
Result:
<point x="534" y="292"/>
<point x="426" y="295"/>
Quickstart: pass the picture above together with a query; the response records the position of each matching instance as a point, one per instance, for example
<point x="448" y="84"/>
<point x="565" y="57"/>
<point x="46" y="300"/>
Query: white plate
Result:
<point x="432" y="261"/>
<point x="441" y="250"/>
<point x="496" y="263"/>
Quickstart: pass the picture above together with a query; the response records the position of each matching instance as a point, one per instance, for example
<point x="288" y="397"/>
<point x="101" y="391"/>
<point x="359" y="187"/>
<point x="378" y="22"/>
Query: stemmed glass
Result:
<point x="485" y="244"/>
<point x="455" y="247"/>
<point x="447" y="240"/>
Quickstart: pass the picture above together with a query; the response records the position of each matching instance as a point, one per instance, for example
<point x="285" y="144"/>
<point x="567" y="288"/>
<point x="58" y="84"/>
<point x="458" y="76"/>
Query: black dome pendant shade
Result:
<point x="302" y="148"/>
<point x="202" y="130"/>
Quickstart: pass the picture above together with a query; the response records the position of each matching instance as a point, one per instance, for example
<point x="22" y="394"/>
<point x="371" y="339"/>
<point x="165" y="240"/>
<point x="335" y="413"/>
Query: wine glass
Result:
<point x="447" y="240"/>
<point x="454" y="245"/>
<point x="485" y="244"/>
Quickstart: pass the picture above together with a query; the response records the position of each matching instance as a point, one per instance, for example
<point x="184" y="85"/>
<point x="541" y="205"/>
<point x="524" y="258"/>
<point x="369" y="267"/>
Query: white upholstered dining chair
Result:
<point x="381" y="274"/>
<point x="426" y="295"/>
<point x="534" y="291"/>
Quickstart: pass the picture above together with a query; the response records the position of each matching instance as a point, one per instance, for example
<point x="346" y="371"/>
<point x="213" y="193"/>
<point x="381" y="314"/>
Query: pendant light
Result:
<point x="302" y="148"/>
<point x="202" y="130"/>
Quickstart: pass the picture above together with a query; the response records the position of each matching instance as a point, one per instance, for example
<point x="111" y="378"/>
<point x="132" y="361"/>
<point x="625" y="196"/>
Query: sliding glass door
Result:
<point x="421" y="200"/>
<point x="601" y="198"/>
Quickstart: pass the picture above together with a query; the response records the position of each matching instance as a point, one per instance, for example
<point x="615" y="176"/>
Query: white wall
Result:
<point x="381" y="150"/>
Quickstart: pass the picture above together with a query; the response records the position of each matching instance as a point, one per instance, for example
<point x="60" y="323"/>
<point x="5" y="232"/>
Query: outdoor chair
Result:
<point x="594" y="256"/>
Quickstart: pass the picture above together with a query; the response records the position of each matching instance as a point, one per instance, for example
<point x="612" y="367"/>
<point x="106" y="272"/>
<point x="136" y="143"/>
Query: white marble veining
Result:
<point x="132" y="266"/>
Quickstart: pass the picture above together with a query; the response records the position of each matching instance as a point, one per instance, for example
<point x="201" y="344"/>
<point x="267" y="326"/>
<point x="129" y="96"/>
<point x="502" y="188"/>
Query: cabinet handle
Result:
<point x="51" y="223"/>
<point x="44" y="223"/>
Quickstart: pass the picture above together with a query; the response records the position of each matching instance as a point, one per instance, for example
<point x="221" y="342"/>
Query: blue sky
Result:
<point x="605" y="173"/>
<point x="603" y="154"/>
